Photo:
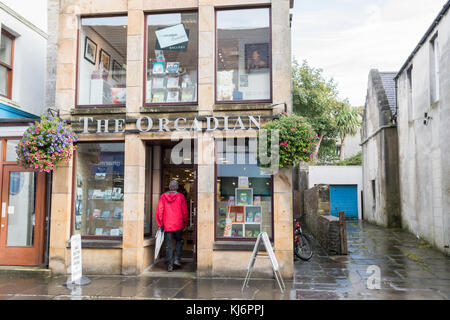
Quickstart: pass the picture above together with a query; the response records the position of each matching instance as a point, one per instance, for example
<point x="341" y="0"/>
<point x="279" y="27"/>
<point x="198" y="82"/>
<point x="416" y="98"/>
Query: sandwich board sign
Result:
<point x="75" y="245"/>
<point x="270" y="255"/>
<point x="76" y="266"/>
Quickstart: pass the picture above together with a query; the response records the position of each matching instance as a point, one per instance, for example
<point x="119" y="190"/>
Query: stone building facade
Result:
<point x="225" y="66"/>
<point x="423" y="100"/>
<point x="380" y="151"/>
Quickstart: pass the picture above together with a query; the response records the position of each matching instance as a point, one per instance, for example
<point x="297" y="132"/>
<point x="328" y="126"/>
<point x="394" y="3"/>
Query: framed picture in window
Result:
<point x="90" y="50"/>
<point x="173" y="82"/>
<point x="105" y="58"/>
<point x="173" y="96"/>
<point x="257" y="57"/>
<point x="117" y="71"/>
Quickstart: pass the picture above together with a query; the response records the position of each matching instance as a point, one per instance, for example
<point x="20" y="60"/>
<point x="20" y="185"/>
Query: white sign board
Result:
<point x="76" y="266"/>
<point x="272" y="258"/>
<point x="269" y="250"/>
<point x="171" y="36"/>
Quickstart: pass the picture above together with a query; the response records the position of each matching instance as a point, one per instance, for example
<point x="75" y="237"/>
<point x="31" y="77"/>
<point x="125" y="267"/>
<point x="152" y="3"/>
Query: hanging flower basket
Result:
<point x="45" y="144"/>
<point x="296" y="139"/>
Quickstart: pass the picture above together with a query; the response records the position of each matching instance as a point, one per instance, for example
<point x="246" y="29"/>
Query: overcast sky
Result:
<point x="347" y="38"/>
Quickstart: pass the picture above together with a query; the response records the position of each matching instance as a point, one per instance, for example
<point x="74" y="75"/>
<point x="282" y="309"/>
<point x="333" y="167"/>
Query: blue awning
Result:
<point x="8" y="112"/>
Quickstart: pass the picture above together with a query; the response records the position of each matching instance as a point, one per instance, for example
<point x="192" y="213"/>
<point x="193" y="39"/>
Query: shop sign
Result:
<point x="146" y="124"/>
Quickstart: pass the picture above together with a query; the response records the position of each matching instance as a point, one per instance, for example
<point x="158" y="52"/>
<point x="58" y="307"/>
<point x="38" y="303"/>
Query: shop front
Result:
<point x="157" y="94"/>
<point x="23" y="213"/>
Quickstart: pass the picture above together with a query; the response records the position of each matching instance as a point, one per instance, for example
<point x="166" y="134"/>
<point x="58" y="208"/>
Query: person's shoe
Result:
<point x="177" y="263"/>
<point x="169" y="268"/>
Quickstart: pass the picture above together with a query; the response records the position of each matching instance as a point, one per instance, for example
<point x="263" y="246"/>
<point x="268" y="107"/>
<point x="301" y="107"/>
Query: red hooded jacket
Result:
<point x="171" y="211"/>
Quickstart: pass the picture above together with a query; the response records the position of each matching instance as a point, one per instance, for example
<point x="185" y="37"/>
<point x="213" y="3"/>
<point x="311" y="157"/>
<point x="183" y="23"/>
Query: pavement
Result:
<point x="409" y="269"/>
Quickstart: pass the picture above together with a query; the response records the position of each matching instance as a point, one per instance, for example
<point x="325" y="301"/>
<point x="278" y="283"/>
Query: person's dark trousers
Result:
<point x="168" y="235"/>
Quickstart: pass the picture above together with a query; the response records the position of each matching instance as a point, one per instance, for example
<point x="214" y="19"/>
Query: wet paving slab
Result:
<point x="409" y="269"/>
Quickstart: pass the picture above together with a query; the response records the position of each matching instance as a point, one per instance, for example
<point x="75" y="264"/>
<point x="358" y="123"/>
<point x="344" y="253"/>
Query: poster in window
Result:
<point x="172" y="67"/>
<point x="256" y="57"/>
<point x="244" y="196"/>
<point x="105" y="58"/>
<point x="90" y="50"/>
<point x="173" y="82"/>
<point x="158" y="67"/>
<point x="172" y="38"/>
<point x="173" y="96"/>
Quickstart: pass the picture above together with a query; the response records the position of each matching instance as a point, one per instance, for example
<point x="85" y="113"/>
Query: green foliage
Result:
<point x="347" y="119"/>
<point x="327" y="152"/>
<point x="356" y="160"/>
<point x="314" y="98"/>
<point x="296" y="139"/>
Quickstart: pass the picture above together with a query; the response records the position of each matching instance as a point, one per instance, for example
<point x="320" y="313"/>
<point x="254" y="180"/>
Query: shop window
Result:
<point x="99" y="189"/>
<point x="243" y="60"/>
<point x="6" y="63"/>
<point x="102" y="61"/>
<point x="244" y="192"/>
<point x="172" y="58"/>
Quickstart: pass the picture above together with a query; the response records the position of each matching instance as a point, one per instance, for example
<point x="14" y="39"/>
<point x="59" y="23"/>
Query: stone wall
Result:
<point x="317" y="219"/>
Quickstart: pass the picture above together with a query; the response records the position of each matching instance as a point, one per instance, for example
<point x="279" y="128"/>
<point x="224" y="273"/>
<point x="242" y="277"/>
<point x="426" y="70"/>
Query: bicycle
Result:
<point x="302" y="245"/>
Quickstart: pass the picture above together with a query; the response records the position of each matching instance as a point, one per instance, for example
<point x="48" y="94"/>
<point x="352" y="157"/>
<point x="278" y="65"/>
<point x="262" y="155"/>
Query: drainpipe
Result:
<point x="48" y="202"/>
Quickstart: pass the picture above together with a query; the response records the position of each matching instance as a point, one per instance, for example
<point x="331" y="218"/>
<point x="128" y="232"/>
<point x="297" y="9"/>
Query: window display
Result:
<point x="243" y="55"/>
<point x="172" y="51"/>
<point x="244" y="192"/>
<point x="102" y="61"/>
<point x="99" y="189"/>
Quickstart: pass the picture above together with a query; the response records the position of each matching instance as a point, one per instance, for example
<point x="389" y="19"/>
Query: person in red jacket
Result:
<point x="172" y="218"/>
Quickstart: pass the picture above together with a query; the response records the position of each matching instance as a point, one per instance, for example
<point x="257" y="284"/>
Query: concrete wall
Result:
<point x="337" y="175"/>
<point x="380" y="158"/>
<point x="424" y="150"/>
<point x="29" y="66"/>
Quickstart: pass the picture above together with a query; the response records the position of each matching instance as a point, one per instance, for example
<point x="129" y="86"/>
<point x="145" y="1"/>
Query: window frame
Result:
<point x="10" y="68"/>
<point x="435" y="72"/>
<point x="238" y="239"/>
<point x="77" y="65"/>
<point x="216" y="53"/>
<point x="74" y="182"/>
<point x="145" y="60"/>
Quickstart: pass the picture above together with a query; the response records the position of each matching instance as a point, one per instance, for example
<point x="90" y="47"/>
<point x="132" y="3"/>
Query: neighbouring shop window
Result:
<point x="99" y="189"/>
<point x="11" y="154"/>
<point x="102" y="61"/>
<point x="243" y="57"/>
<point x="6" y="63"/>
<point x="172" y="51"/>
<point x="244" y="191"/>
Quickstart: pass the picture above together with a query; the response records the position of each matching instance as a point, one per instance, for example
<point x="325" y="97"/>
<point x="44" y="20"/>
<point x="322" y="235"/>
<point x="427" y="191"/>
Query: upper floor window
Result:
<point x="6" y="63"/>
<point x="243" y="56"/>
<point x="102" y="61"/>
<point x="172" y="58"/>
<point x="434" y="72"/>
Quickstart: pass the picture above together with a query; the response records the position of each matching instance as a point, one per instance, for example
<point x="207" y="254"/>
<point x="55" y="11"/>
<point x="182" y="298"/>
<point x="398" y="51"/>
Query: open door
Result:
<point x="22" y="217"/>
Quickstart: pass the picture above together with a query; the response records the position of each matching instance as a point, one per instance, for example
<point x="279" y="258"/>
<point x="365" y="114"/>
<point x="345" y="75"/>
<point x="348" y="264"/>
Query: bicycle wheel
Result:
<point x="303" y="250"/>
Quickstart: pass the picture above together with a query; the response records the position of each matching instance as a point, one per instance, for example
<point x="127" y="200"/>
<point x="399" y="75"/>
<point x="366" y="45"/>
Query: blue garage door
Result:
<point x="344" y="198"/>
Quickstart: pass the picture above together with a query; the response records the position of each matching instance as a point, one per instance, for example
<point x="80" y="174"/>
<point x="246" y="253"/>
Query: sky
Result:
<point x="348" y="38"/>
<point x="33" y="10"/>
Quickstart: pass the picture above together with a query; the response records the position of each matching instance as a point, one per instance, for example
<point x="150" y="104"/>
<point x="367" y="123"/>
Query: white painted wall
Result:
<point x="424" y="150"/>
<point x="337" y="175"/>
<point x="30" y="52"/>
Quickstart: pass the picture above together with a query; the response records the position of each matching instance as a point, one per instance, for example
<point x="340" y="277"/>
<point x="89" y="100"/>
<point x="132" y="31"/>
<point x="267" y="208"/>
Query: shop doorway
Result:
<point x="186" y="175"/>
<point x="22" y="216"/>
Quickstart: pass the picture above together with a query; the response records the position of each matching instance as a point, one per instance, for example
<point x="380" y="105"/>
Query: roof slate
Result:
<point x="388" y="80"/>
